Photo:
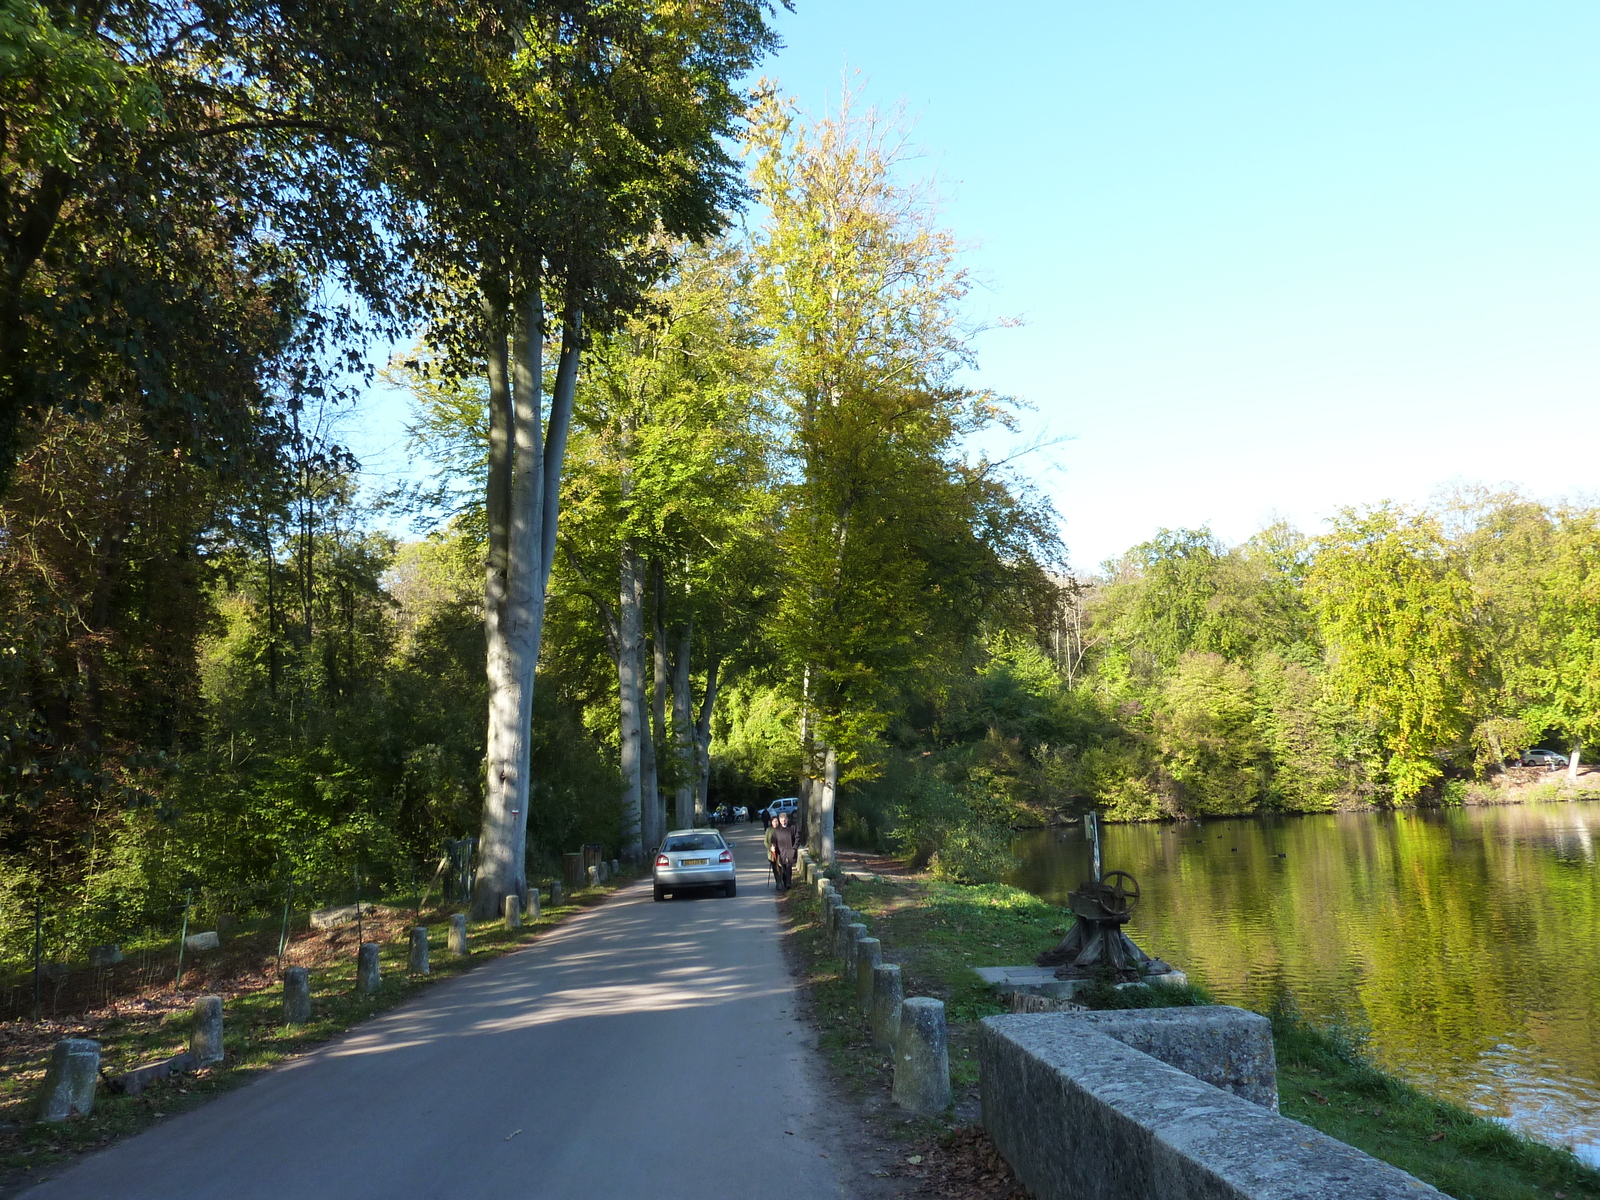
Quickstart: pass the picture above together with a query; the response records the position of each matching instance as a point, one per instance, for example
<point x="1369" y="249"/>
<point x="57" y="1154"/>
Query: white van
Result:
<point x="789" y="804"/>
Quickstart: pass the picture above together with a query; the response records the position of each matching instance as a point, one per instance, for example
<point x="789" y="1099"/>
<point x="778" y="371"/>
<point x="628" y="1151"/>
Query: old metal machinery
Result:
<point x="1096" y="945"/>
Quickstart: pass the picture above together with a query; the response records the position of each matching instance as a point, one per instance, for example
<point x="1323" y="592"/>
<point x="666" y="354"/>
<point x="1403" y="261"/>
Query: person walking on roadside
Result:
<point x="766" y="819"/>
<point x="783" y="847"/>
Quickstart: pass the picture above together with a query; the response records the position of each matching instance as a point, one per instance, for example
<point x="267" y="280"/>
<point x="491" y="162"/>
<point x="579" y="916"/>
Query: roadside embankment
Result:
<point x="938" y="931"/>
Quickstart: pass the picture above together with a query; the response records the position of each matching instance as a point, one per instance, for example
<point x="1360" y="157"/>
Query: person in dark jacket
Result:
<point x="784" y="848"/>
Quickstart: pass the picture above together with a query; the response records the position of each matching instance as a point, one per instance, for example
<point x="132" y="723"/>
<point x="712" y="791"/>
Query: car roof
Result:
<point x="684" y="832"/>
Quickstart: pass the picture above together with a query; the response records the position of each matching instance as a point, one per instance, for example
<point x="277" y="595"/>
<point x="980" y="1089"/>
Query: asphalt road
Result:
<point x="640" y="1050"/>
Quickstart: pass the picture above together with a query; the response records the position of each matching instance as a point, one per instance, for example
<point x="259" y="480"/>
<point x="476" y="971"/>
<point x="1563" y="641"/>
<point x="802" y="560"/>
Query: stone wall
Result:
<point x="1079" y="1113"/>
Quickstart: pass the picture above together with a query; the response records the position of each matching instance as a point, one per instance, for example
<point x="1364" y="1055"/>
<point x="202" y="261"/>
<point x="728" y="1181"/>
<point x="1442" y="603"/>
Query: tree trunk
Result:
<point x="658" y="690"/>
<point x="630" y="673"/>
<point x="830" y="787"/>
<point x="1572" y="762"/>
<point x="525" y="464"/>
<point x="702" y="735"/>
<point x="683" y="723"/>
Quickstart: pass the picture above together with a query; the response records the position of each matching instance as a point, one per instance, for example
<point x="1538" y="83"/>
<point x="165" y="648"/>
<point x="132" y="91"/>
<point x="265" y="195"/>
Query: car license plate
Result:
<point x="693" y="862"/>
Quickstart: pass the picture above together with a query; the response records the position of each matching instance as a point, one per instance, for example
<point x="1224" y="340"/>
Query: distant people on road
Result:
<point x="766" y="821"/>
<point x="783" y="846"/>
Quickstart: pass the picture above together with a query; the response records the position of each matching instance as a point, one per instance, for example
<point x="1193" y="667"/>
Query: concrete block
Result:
<point x="1042" y="981"/>
<point x="513" y="912"/>
<point x="205" y="1038"/>
<point x="69" y="1081"/>
<point x="343" y="914"/>
<point x="533" y="904"/>
<point x="131" y="1083"/>
<point x="852" y="940"/>
<point x="202" y="941"/>
<point x="887" y="994"/>
<point x="594" y="875"/>
<point x="296" y="996"/>
<point x="368" y="975"/>
<point x="458" y="934"/>
<point x="922" y="1057"/>
<point x="869" y="953"/>
<point x="616" y="868"/>
<point x="1226" y="1047"/>
<point x="417" y="951"/>
<point x="555" y="892"/>
<point x="1077" y="1113"/>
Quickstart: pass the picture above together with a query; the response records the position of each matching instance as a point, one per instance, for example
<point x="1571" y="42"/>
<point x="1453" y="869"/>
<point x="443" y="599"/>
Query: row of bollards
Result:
<point x="69" y="1084"/>
<point x="912" y="1029"/>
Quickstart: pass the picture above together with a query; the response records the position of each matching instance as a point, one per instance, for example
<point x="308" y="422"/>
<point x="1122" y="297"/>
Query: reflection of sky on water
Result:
<point x="1462" y="943"/>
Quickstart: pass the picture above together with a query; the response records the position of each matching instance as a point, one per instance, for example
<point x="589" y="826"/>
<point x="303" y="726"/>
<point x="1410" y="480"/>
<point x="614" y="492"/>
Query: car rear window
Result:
<point x="695" y="841"/>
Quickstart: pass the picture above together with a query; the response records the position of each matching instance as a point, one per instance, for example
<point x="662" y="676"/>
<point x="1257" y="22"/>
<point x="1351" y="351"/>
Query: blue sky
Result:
<point x="1272" y="258"/>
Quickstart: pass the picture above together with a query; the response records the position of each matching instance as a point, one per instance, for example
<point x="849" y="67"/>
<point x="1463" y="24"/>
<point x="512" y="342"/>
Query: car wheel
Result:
<point x="661" y="892"/>
<point x="731" y="890"/>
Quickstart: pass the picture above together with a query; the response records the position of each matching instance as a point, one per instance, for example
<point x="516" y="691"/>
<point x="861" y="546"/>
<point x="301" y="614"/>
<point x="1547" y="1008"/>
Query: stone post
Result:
<point x="513" y="908"/>
<point x="458" y="934"/>
<point x="843" y="919"/>
<point x="824" y="885"/>
<point x="205" y="1039"/>
<point x="853" y="935"/>
<point x="68" y="1087"/>
<point x="869" y="953"/>
<point x="417" y="959"/>
<point x="296" y="996"/>
<point x="367" y="973"/>
<point x="830" y="905"/>
<point x="555" y="893"/>
<point x="922" y="1057"/>
<point x="887" y="995"/>
<point x="594" y="875"/>
<point x="533" y="904"/>
<point x="616" y="868"/>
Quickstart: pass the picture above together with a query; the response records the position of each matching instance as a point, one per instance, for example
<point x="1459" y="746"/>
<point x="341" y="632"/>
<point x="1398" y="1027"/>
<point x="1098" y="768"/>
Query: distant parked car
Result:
<point x="1543" y="758"/>
<point x="741" y="813"/>
<point x="694" y="858"/>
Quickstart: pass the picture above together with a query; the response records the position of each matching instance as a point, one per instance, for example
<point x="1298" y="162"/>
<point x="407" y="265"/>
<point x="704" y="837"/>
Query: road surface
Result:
<point x="640" y="1050"/>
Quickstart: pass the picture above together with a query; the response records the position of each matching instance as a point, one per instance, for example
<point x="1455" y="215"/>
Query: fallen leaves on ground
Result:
<point x="962" y="1165"/>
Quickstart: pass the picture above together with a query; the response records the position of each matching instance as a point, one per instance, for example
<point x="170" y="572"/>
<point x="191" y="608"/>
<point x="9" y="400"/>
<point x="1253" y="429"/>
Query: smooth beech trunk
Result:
<point x="525" y="464"/>
<point x="630" y="675"/>
<point x="830" y="787"/>
<point x="1575" y="758"/>
<point x="686" y="793"/>
<point x="658" y="696"/>
<point x="702" y="735"/>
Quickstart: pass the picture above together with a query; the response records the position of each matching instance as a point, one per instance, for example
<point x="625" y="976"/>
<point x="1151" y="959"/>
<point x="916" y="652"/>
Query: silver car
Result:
<point x="694" y="858"/>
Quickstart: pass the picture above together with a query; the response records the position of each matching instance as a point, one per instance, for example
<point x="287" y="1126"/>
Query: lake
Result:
<point x="1465" y="943"/>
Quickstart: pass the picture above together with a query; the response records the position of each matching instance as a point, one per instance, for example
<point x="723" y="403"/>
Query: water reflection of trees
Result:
<point x="1446" y="934"/>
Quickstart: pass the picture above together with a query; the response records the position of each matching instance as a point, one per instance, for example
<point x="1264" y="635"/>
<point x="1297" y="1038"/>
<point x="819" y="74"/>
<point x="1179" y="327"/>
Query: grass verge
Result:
<point x="937" y="932"/>
<point x="145" y="1029"/>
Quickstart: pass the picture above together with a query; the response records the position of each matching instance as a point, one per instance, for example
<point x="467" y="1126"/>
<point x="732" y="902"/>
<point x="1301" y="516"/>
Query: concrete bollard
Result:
<point x="458" y="934"/>
<point x="513" y="910"/>
<point x="830" y="907"/>
<point x="845" y="918"/>
<point x="367" y="973"/>
<point x="296" y="996"/>
<point x="853" y="935"/>
<point x="417" y="958"/>
<point x="594" y="876"/>
<point x="869" y="953"/>
<point x="533" y="904"/>
<point x="68" y="1087"/>
<point x="823" y="885"/>
<point x="555" y="893"/>
<point x="205" y="1039"/>
<point x="922" y="1057"/>
<point x="887" y="995"/>
<point x="616" y="867"/>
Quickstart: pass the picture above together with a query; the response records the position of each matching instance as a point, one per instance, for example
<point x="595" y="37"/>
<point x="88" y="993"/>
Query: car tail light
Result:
<point x="725" y="856"/>
<point x="661" y="861"/>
